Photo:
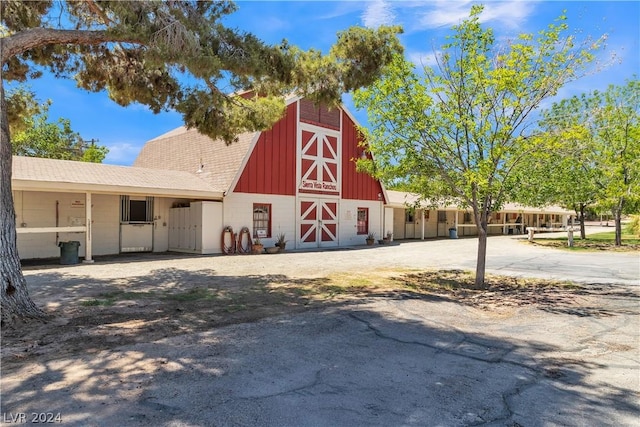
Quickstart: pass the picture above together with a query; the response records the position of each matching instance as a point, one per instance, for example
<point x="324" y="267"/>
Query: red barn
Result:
<point x="298" y="178"/>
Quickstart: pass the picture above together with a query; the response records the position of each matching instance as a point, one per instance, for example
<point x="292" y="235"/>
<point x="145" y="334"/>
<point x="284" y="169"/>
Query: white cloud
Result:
<point x="510" y="14"/>
<point x="423" y="59"/>
<point x="446" y="14"/>
<point x="378" y="13"/>
<point x="122" y="153"/>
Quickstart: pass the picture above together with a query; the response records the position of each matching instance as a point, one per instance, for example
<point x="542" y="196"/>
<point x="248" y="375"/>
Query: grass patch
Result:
<point x="610" y="236"/>
<point x="110" y="298"/>
<point x="604" y="241"/>
<point x="594" y="242"/>
<point x="195" y="294"/>
<point x="97" y="302"/>
<point x="232" y="308"/>
<point x="454" y="284"/>
<point x="128" y="296"/>
<point x="499" y="292"/>
<point x="459" y="281"/>
<point x="447" y="280"/>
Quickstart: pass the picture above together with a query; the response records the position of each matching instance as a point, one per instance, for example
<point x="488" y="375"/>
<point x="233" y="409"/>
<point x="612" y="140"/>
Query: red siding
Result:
<point x="319" y="115"/>
<point x="355" y="185"/>
<point x="271" y="168"/>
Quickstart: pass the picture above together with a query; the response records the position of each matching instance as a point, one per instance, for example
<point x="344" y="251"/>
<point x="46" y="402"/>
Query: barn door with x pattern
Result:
<point x="318" y="219"/>
<point x="319" y="161"/>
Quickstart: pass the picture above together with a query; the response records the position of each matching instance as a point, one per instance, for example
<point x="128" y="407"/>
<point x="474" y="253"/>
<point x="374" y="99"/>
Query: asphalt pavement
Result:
<point x="402" y="361"/>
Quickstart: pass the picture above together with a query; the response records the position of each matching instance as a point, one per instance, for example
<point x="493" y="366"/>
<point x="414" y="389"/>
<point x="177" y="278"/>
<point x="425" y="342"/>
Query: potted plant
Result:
<point x="281" y="242"/>
<point x="387" y="239"/>
<point x="257" y="246"/>
<point x="371" y="238"/>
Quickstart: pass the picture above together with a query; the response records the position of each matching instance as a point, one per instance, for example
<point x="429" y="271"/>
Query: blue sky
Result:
<point x="314" y="24"/>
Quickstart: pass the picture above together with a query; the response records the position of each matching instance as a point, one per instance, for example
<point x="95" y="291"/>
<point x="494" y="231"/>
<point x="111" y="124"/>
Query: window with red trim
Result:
<point x="363" y="220"/>
<point x="261" y="220"/>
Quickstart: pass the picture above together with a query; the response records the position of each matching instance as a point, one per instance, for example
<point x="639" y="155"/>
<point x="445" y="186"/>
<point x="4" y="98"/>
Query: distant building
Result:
<point x="420" y="220"/>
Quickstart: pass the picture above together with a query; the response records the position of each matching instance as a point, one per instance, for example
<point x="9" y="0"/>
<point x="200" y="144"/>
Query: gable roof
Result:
<point x="188" y="150"/>
<point x="32" y="173"/>
<point x="221" y="165"/>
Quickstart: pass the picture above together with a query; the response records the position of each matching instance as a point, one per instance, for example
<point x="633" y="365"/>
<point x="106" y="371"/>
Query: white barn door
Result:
<point x="318" y="223"/>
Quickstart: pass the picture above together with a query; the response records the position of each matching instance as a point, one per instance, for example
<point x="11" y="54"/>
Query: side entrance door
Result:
<point x="317" y="223"/>
<point x="442" y="224"/>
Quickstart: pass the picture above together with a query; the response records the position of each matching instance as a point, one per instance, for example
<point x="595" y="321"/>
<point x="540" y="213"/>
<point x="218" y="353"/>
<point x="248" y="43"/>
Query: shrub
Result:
<point x="633" y="227"/>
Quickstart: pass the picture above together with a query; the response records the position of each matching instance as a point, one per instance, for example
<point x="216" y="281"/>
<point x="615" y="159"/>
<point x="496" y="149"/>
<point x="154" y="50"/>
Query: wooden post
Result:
<point x="504" y="223"/>
<point x="570" y="237"/>
<point x="530" y="231"/>
<point x="88" y="249"/>
<point x="455" y="223"/>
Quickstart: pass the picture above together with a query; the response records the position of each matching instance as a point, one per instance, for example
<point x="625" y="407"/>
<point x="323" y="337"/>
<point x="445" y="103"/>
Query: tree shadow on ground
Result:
<point x="124" y="258"/>
<point x="91" y="314"/>
<point x="501" y="291"/>
<point x="342" y="365"/>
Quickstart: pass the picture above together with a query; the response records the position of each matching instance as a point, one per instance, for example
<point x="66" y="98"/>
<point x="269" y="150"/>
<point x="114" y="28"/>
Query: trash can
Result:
<point x="453" y="233"/>
<point x="69" y="252"/>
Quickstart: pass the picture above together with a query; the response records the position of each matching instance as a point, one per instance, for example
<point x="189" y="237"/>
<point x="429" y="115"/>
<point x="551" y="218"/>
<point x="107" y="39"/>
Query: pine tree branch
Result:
<point x="23" y="41"/>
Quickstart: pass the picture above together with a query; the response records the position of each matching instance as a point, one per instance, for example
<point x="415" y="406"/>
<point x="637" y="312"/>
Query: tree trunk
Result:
<point x="617" y="215"/>
<point x="583" y="234"/>
<point x="481" y="214"/>
<point x="14" y="297"/>
<point x="482" y="256"/>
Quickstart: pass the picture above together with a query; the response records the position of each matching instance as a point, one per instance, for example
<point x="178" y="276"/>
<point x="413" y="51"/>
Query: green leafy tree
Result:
<point x="633" y="227"/>
<point x="455" y="133"/>
<point x="21" y="104"/>
<point x="614" y="119"/>
<point x="166" y="55"/>
<point x="591" y="154"/>
<point x="562" y="171"/>
<point x="35" y="136"/>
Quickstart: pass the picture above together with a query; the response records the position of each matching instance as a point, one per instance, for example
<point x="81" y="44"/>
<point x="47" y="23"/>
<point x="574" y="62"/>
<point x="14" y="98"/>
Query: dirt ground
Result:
<point x="83" y="318"/>
<point x="183" y="340"/>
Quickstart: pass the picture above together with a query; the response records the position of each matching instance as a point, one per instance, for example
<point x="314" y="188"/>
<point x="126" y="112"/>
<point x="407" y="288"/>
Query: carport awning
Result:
<point x="36" y="174"/>
<point x="402" y="200"/>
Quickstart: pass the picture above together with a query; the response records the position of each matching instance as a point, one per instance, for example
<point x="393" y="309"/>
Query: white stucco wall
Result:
<point x="238" y="213"/>
<point x="348" y="234"/>
<point x="38" y="209"/>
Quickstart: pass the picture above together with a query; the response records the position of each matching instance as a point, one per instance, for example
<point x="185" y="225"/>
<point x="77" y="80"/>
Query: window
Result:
<point x="137" y="210"/>
<point x="467" y="218"/>
<point x="409" y="216"/>
<point x="363" y="220"/>
<point x="261" y="220"/>
<point x="442" y="216"/>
